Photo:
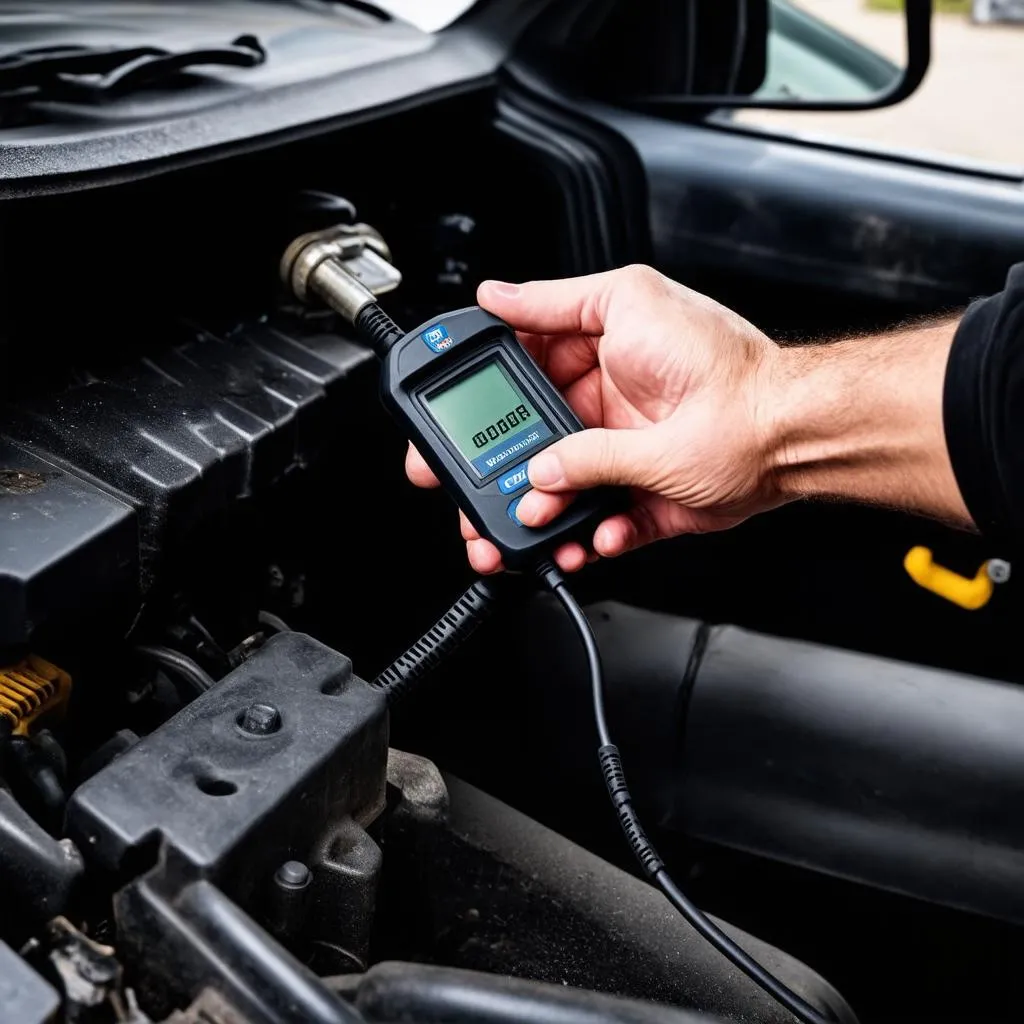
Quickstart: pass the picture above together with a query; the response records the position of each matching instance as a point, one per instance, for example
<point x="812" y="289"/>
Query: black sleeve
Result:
<point x="983" y="412"/>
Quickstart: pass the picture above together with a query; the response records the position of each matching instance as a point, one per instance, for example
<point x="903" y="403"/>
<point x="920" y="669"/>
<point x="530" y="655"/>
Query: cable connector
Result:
<point x="377" y="328"/>
<point x="347" y="266"/>
<point x="615" y="780"/>
<point x="549" y="574"/>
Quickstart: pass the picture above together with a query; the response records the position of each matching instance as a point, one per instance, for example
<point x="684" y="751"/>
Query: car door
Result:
<point x="811" y="238"/>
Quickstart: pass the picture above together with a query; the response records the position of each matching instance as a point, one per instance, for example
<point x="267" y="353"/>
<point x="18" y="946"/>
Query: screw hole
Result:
<point x="332" y="687"/>
<point x="215" y="787"/>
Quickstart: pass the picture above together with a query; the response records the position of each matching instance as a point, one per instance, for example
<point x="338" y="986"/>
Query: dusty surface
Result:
<point x="971" y="104"/>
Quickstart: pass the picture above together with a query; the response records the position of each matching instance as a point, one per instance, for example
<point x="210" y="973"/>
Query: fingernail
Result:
<point x="546" y="470"/>
<point x="607" y="542"/>
<point x="510" y="291"/>
<point x="525" y="510"/>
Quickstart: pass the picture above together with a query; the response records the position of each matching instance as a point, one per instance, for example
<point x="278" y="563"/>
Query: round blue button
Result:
<point x="513" y="505"/>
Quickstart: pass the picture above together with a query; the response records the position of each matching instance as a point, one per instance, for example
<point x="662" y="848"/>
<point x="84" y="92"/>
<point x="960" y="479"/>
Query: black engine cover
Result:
<point x="106" y="477"/>
<point x="197" y="817"/>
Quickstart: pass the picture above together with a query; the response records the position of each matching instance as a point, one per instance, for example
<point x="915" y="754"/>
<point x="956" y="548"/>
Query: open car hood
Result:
<point x="323" y="65"/>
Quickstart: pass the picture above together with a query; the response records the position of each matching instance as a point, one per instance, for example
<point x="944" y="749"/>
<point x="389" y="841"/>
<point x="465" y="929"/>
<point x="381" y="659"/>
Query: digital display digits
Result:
<point x="502" y="425"/>
<point x="488" y="418"/>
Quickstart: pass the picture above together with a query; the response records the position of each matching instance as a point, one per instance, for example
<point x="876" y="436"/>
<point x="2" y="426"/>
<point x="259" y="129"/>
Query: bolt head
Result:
<point x="292" y="874"/>
<point x="260" y="719"/>
<point x="998" y="570"/>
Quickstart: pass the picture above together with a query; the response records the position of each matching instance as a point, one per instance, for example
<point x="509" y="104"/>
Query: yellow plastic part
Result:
<point x="961" y="590"/>
<point x="30" y="689"/>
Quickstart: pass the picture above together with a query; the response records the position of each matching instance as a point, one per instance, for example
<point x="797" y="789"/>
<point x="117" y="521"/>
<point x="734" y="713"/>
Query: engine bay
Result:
<point x="208" y="551"/>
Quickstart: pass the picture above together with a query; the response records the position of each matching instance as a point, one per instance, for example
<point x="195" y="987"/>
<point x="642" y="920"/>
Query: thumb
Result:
<point x="575" y="305"/>
<point x="595" y="457"/>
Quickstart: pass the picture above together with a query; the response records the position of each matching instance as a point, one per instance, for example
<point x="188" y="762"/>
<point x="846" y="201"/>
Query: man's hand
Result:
<point x="708" y="420"/>
<point x="668" y="381"/>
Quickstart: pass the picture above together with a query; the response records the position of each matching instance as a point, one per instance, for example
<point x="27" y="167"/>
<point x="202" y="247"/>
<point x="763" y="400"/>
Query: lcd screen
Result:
<point x="488" y="418"/>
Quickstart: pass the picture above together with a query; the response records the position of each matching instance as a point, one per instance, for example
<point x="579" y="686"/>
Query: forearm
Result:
<point x="862" y="420"/>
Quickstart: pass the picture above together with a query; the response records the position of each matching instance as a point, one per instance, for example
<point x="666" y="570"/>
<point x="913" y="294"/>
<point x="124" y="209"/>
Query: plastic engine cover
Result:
<point x="104" y="479"/>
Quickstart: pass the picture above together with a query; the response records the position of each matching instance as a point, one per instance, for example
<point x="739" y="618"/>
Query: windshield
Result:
<point x="428" y="15"/>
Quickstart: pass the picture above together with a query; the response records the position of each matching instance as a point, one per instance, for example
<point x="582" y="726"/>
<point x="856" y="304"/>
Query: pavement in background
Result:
<point x="970" y="104"/>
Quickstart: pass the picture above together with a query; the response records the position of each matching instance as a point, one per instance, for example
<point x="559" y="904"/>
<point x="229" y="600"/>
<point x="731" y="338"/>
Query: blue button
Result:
<point x="514" y="480"/>
<point x="513" y="505"/>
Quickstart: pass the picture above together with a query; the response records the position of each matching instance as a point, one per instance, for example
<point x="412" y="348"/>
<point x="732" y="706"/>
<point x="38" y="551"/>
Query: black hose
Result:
<point x="275" y="622"/>
<point x="40" y="776"/>
<point x="432" y="995"/>
<point x="179" y="666"/>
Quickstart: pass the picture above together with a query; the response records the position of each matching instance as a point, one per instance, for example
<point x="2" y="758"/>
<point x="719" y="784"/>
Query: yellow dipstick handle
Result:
<point x="967" y="593"/>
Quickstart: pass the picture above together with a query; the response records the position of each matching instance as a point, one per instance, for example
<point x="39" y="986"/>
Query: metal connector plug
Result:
<point x="347" y="266"/>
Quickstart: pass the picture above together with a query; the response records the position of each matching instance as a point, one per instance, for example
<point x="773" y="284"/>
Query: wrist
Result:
<point x="861" y="420"/>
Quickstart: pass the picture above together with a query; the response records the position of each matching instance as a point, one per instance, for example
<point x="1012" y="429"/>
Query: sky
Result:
<point x="429" y="15"/>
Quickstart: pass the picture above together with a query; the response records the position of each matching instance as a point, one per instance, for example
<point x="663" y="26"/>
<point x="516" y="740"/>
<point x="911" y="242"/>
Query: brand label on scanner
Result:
<point x="436" y="338"/>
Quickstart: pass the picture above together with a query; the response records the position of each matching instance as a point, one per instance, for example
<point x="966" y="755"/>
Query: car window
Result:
<point x="813" y="57"/>
<point x="968" y="105"/>
<point x="428" y="15"/>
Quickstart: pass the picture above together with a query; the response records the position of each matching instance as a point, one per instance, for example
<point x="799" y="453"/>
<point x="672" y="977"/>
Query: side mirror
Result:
<point x="783" y="54"/>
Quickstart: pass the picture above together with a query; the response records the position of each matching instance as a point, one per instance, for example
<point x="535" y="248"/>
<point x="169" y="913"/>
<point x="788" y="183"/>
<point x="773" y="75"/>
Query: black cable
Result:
<point x="179" y="666"/>
<point x="275" y="622"/>
<point x="643" y="848"/>
<point x="475" y="606"/>
<point x="207" y="636"/>
<point x="555" y="581"/>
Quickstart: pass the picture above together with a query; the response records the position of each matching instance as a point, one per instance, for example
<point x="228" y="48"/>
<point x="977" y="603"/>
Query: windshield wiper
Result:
<point x="77" y="73"/>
